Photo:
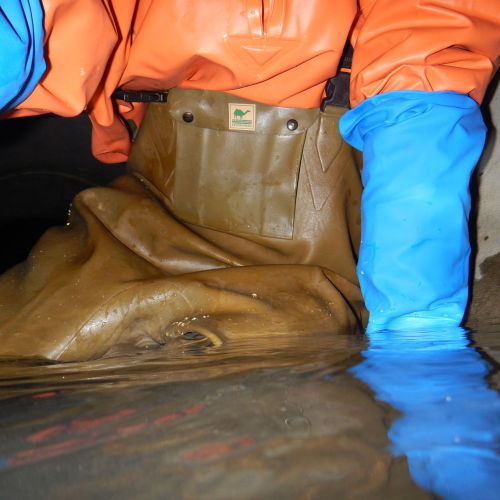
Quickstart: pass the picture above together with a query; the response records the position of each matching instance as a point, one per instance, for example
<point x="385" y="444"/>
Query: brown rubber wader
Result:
<point x="237" y="220"/>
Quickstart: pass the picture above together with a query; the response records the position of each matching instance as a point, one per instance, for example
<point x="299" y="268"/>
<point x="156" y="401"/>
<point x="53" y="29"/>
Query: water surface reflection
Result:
<point x="449" y="430"/>
<point x="277" y="418"/>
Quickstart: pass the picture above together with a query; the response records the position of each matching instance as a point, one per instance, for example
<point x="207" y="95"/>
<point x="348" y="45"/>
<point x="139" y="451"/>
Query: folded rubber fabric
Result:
<point x="164" y="250"/>
<point x="419" y="149"/>
<point x="22" y="61"/>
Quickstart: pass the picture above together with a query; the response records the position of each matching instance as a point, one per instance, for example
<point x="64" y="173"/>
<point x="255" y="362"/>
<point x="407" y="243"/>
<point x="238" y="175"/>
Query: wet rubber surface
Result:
<point x="241" y="420"/>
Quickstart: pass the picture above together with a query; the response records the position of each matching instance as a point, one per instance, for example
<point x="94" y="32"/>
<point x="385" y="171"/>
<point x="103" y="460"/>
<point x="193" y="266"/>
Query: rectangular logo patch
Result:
<point x="242" y="116"/>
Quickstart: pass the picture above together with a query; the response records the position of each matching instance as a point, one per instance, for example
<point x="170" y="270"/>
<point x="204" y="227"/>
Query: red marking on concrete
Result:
<point x="44" y="395"/>
<point x="167" y="418"/>
<point x="130" y="429"/>
<point x="46" y="433"/>
<point x="48" y="451"/>
<point x="170" y="417"/>
<point x="209" y="452"/>
<point x="36" y="454"/>
<point x="85" y="425"/>
<point x="245" y="443"/>
<point x="78" y="426"/>
<point x="195" y="409"/>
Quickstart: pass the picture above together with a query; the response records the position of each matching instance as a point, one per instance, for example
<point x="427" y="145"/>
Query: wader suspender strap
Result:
<point x="140" y="95"/>
<point x="337" y="87"/>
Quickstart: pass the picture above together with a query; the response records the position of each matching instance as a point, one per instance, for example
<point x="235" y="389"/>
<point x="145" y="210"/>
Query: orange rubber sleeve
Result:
<point x="425" y="45"/>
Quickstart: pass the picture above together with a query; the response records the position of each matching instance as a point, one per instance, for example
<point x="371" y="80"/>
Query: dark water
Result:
<point x="393" y="416"/>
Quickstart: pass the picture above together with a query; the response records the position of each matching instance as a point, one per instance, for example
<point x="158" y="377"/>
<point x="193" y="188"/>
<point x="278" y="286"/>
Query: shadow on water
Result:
<point x="339" y="417"/>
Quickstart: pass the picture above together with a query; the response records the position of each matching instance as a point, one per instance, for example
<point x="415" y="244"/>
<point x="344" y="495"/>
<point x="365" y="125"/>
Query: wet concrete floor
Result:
<point x="245" y="420"/>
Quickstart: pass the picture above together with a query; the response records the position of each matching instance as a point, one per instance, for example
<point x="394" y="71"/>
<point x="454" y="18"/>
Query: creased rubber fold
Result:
<point x="419" y="149"/>
<point x="22" y="61"/>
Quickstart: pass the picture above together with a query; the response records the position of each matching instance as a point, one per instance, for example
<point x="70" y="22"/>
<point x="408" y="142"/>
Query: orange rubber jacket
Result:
<point x="278" y="52"/>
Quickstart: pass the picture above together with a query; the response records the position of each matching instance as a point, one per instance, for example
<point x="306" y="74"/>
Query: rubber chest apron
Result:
<point x="238" y="219"/>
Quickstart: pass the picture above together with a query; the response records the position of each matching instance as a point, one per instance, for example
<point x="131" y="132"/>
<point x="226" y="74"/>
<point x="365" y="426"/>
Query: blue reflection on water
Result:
<point x="450" y="427"/>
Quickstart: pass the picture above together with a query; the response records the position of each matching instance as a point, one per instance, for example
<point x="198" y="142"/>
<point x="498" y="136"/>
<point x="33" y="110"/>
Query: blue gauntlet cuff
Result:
<point x="419" y="150"/>
<point x="21" y="56"/>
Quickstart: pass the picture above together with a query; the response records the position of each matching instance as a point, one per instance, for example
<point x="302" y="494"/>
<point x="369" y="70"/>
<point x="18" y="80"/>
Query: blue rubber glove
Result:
<point x="449" y="428"/>
<point x="21" y="50"/>
<point x="419" y="149"/>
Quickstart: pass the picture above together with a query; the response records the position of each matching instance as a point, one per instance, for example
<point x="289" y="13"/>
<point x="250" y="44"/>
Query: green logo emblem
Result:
<point x="242" y="116"/>
<point x="239" y="113"/>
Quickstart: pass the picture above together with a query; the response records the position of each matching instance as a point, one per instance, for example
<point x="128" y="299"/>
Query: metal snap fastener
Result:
<point x="292" y="124"/>
<point x="188" y="117"/>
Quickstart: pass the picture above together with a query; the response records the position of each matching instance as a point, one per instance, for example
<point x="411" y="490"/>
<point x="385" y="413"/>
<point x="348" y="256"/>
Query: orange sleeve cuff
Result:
<point x="429" y="45"/>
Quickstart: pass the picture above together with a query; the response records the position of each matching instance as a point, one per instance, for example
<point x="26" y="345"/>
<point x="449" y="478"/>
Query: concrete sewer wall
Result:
<point x="485" y="304"/>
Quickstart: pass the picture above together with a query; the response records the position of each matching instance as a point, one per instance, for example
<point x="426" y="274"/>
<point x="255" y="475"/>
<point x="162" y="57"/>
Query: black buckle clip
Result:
<point x="140" y="95"/>
<point x="337" y="91"/>
<point x="337" y="87"/>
